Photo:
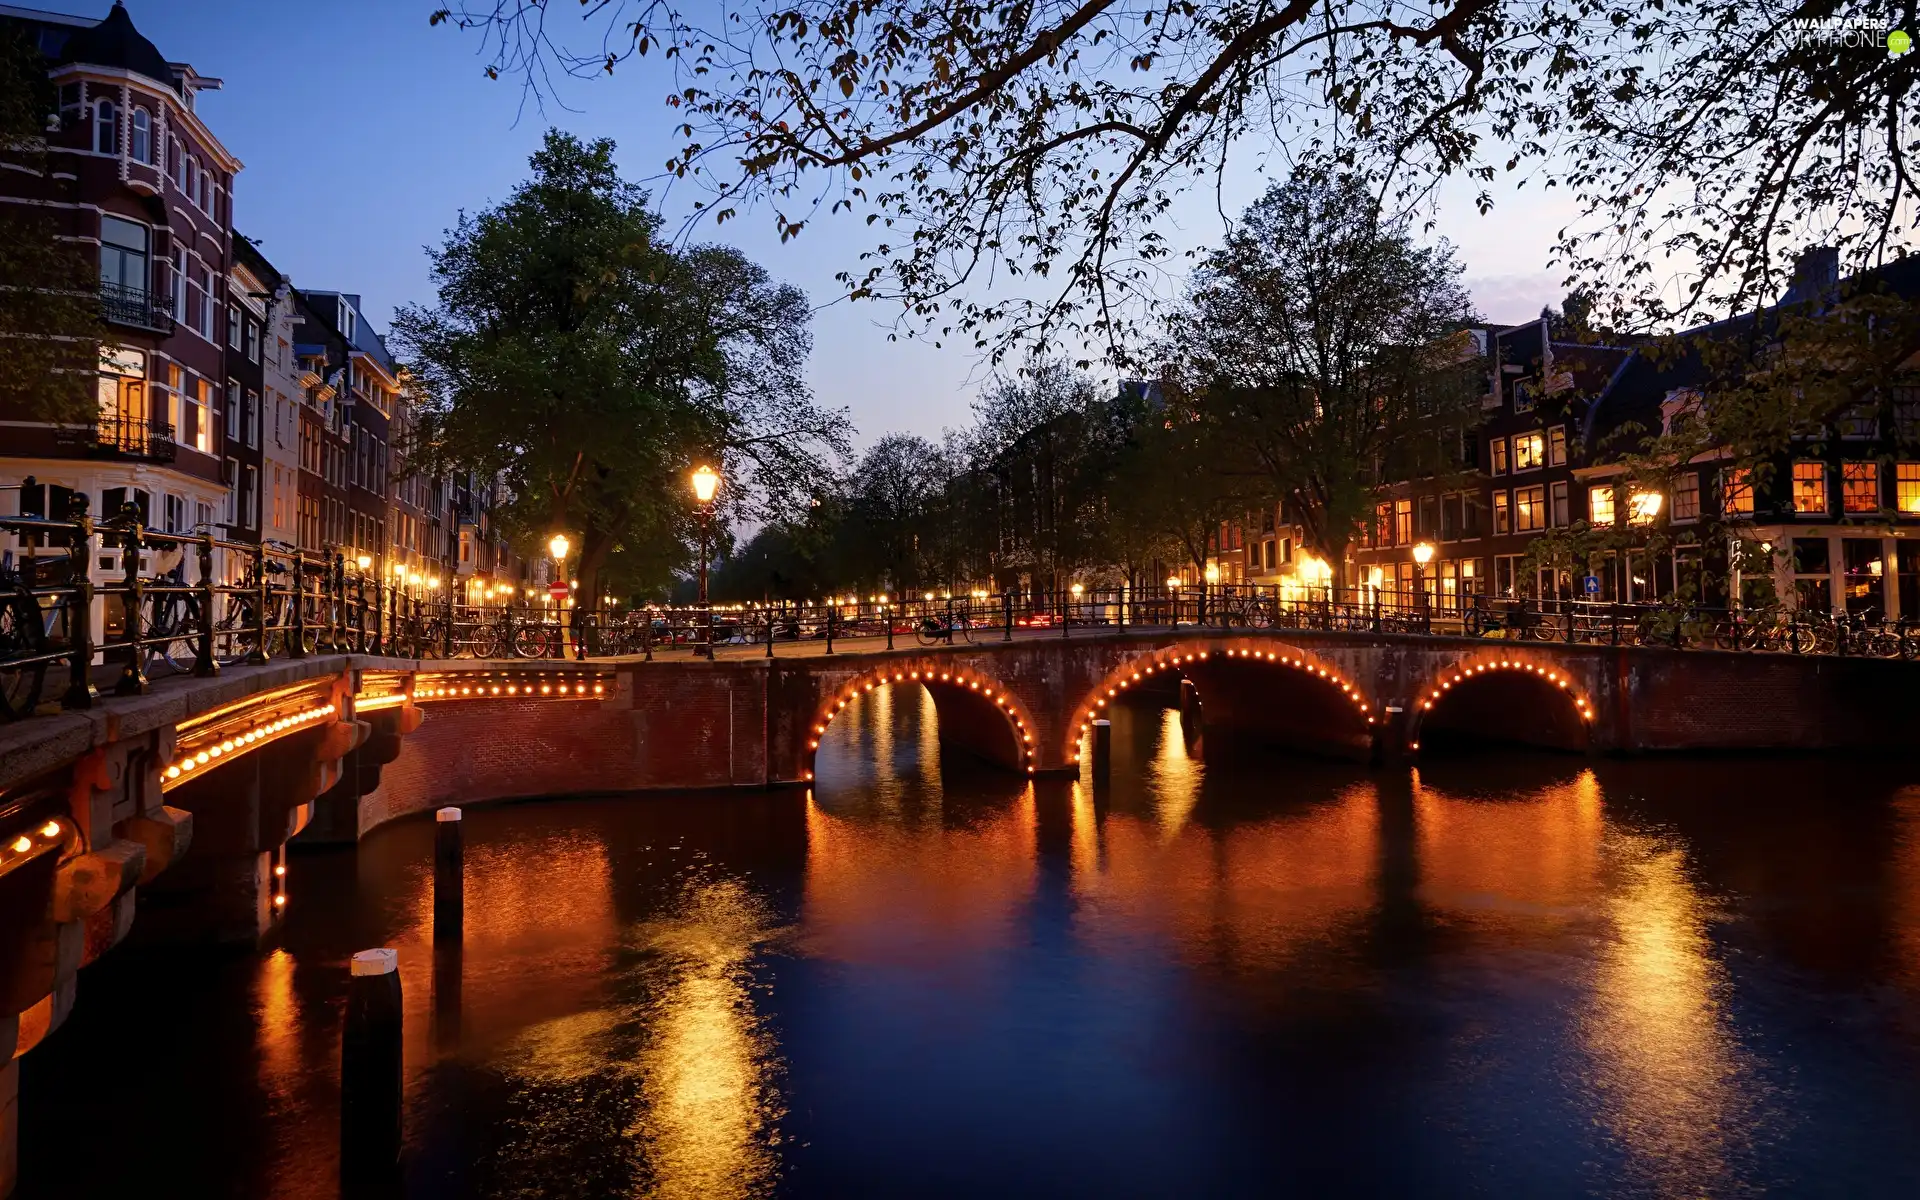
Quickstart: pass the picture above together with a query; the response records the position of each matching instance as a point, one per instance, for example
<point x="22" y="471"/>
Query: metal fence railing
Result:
<point x="167" y="608"/>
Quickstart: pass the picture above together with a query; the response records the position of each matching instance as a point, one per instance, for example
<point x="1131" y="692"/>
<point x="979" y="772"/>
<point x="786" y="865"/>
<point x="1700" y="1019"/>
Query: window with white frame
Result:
<point x="1557" y="446"/>
<point x="1529" y="452"/>
<point x="1600" y="505"/>
<point x="1497" y="456"/>
<point x="234" y="322"/>
<point x="1529" y="509"/>
<point x="142" y="136"/>
<point x="233" y="411"/>
<point x="106" y="128"/>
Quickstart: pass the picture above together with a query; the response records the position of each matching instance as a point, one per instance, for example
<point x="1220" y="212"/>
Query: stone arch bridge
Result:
<point x="188" y="797"/>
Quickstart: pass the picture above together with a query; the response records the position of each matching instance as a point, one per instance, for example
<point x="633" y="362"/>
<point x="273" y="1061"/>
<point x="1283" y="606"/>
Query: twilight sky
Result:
<point x="364" y="133"/>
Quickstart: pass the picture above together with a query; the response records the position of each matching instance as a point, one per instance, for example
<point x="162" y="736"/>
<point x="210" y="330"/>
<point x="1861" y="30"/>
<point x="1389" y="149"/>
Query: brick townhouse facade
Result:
<point x="230" y="401"/>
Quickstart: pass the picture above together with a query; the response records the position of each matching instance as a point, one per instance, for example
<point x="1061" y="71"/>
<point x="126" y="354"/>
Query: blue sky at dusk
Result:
<point x="365" y="132"/>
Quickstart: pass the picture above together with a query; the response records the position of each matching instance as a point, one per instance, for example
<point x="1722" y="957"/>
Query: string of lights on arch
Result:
<point x="987" y="688"/>
<point x="1174" y="660"/>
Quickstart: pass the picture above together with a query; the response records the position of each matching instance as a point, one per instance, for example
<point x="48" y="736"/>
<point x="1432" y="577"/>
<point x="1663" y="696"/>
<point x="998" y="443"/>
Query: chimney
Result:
<point x="1814" y="274"/>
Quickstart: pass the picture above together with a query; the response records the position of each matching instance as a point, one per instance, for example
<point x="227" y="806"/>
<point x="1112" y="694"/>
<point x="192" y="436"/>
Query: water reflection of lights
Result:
<point x="1672" y="1081"/>
<point x="1175" y="775"/>
<point x="683" y="1050"/>
<point x="708" y="1070"/>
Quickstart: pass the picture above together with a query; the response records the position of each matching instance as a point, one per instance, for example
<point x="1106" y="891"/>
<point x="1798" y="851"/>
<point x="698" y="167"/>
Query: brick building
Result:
<point x="134" y="171"/>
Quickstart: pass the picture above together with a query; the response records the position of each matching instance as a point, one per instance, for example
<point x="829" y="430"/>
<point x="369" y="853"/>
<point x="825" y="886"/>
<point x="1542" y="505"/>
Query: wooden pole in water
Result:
<point x="448" y="871"/>
<point x="1102" y="751"/>
<point x="370" y="1066"/>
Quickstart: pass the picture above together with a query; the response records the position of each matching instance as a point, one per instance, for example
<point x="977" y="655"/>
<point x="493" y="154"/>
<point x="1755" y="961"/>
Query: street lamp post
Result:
<point x="1422" y="555"/>
<point x="557" y="546"/>
<point x="705" y="484"/>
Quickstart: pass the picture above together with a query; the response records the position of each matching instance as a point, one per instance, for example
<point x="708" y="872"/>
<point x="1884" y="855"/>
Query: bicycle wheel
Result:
<point x="21" y="636"/>
<point x="930" y="632"/>
<point x="534" y="641"/>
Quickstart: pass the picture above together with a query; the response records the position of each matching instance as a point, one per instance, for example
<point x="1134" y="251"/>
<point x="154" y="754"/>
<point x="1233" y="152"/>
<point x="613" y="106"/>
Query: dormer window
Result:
<point x="106" y="128"/>
<point x="346" y="318"/>
<point x="142" y="136"/>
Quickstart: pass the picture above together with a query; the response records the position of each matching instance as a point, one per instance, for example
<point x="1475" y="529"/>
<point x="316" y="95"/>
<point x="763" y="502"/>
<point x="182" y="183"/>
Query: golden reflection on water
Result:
<point x="707" y="1069"/>
<point x="1670" y="1079"/>
<point x="1173" y="774"/>
<point x="278" y="1024"/>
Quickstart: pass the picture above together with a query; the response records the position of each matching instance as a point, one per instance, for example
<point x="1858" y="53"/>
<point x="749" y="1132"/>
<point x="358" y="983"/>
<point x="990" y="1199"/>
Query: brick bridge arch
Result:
<point x="977" y="712"/>
<point x="1218" y="669"/>
<point x="1502" y="690"/>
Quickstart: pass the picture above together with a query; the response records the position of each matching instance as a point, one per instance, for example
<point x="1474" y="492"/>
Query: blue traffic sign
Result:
<point x="1591" y="583"/>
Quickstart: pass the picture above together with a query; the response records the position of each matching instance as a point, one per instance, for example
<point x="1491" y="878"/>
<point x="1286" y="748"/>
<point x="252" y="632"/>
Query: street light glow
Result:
<point x="364" y="562"/>
<point x="558" y="546"/>
<point x="1423" y="553"/>
<point x="705" y="484"/>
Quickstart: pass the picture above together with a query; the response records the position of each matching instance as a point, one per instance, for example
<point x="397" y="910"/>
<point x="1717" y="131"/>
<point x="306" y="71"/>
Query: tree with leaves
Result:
<point x="1042" y="145"/>
<point x="1326" y="346"/>
<point x="50" y="326"/>
<point x="577" y="355"/>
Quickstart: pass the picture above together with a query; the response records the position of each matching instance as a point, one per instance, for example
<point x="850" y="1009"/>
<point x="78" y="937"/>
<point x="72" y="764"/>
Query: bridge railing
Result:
<point x="87" y="604"/>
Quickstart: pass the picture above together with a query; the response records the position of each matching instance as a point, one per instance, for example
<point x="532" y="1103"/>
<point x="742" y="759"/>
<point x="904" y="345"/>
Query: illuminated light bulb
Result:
<point x="51" y="829"/>
<point x="813" y="745"/>
<point x="510" y="689"/>
<point x="22" y="844"/>
<point x="1429" y="704"/>
<point x="546" y="688"/>
<point x="280" y="901"/>
<point x="227" y="746"/>
<point x="280" y="870"/>
<point x="598" y="688"/>
<point x="496" y="689"/>
<point x="201" y="758"/>
<point x="187" y="764"/>
<point x="173" y="772"/>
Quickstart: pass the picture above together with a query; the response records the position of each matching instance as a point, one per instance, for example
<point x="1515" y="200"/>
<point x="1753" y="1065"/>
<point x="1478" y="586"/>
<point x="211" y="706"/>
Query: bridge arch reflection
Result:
<point x="1269" y="691"/>
<point x="976" y="712"/>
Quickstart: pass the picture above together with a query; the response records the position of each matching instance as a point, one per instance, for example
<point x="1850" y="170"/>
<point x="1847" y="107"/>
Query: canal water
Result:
<point x="1503" y="975"/>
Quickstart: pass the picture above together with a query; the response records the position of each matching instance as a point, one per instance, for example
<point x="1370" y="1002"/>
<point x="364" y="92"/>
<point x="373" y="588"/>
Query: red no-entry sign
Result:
<point x="557" y="592"/>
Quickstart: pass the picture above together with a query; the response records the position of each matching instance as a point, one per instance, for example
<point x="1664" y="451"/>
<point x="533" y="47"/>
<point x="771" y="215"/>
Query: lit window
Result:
<point x="1860" y="487"/>
<point x="1529" y="509"/>
<point x="1529" y="452"/>
<point x="1403" y="522"/>
<point x="1686" y="496"/>
<point x="1736" y="492"/>
<point x="1502" y="518"/>
<point x="1557" y="446"/>
<point x="1643" y="507"/>
<point x="1906" y="482"/>
<point x="1497" y="456"/>
<point x="1600" y="505"/>
<point x="1810" y="488"/>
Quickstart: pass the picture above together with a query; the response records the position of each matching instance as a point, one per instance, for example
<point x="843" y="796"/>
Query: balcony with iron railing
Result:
<point x="134" y="437"/>
<point x="136" y="309"/>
